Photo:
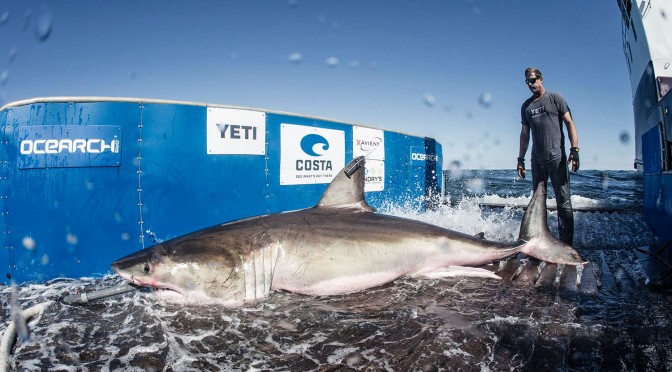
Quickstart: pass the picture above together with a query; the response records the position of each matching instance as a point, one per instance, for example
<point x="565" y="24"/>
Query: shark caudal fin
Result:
<point x="537" y="238"/>
<point x="346" y="190"/>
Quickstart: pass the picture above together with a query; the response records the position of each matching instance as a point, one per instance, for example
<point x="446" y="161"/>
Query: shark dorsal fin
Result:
<point x="346" y="190"/>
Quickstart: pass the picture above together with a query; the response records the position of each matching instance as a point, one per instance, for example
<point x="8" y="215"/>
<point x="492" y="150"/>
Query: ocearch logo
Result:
<point x="423" y="157"/>
<point x="58" y="146"/>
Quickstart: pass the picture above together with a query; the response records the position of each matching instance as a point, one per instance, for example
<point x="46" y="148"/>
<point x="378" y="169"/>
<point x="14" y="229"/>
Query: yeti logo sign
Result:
<point x="236" y="132"/>
<point x="69" y="146"/>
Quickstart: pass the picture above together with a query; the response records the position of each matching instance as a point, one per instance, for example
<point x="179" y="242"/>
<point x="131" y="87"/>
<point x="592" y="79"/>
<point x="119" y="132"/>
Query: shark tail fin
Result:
<point x="538" y="241"/>
<point x="347" y="188"/>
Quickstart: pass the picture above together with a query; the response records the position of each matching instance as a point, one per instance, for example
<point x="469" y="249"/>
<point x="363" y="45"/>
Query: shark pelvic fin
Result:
<point x="346" y="190"/>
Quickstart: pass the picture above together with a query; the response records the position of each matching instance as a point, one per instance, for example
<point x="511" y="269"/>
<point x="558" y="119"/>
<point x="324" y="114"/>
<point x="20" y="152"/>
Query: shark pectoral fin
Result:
<point x="452" y="271"/>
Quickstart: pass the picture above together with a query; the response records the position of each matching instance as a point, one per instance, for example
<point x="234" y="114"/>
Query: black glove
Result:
<point x="574" y="158"/>
<point x="521" y="168"/>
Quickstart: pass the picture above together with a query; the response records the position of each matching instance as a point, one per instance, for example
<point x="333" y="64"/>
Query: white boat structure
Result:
<point x="647" y="44"/>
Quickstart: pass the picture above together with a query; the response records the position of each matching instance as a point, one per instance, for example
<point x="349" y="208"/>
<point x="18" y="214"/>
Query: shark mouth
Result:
<point x="153" y="285"/>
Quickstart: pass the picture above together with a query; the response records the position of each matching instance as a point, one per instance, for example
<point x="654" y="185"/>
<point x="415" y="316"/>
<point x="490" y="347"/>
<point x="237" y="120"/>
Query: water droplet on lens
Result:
<point x="43" y="26"/>
<point x="429" y="100"/>
<point x="476" y="185"/>
<point x="44" y="260"/>
<point x="332" y="61"/>
<point x="295" y="58"/>
<point x="605" y="181"/>
<point x="27" y="15"/>
<point x="4" y="18"/>
<point x="28" y="243"/>
<point x="292" y="3"/>
<point x="71" y="238"/>
<point x="132" y="75"/>
<point x="625" y="137"/>
<point x="4" y="75"/>
<point x="485" y="100"/>
<point x="455" y="169"/>
<point x="354" y="63"/>
<point x="12" y="54"/>
<point x="662" y="14"/>
<point x="373" y="65"/>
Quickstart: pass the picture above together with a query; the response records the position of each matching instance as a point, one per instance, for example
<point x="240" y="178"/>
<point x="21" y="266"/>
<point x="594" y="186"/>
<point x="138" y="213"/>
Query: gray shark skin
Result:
<point x="339" y="246"/>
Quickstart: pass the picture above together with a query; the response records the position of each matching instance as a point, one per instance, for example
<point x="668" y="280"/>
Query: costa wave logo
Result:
<point x="369" y="145"/>
<point x="314" y="145"/>
<point x="58" y="146"/>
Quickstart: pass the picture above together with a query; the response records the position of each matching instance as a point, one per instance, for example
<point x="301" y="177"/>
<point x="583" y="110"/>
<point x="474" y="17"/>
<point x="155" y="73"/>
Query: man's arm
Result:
<point x="524" y="143"/>
<point x="573" y="140"/>
<point x="571" y="129"/>
<point x="524" y="140"/>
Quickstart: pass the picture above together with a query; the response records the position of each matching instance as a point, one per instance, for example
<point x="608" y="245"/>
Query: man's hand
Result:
<point x="574" y="158"/>
<point x="521" y="168"/>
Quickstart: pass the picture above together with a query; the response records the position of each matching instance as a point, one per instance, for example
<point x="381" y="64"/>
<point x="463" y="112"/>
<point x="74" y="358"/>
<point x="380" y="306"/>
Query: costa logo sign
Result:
<point x="310" y="154"/>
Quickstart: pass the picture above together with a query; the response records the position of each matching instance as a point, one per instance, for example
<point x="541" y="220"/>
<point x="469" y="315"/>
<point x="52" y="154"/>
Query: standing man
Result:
<point x="543" y="115"/>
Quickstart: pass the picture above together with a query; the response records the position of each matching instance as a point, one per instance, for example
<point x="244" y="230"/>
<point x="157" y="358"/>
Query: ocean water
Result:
<point x="538" y="317"/>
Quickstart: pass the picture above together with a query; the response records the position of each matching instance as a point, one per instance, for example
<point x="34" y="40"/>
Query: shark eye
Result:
<point x="146" y="268"/>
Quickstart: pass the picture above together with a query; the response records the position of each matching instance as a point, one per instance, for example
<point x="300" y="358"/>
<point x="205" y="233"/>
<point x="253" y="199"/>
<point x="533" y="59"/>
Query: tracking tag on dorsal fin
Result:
<point x="346" y="190"/>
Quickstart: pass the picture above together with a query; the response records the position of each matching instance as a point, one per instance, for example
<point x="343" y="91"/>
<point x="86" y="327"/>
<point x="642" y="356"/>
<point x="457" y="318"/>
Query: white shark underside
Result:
<point x="339" y="246"/>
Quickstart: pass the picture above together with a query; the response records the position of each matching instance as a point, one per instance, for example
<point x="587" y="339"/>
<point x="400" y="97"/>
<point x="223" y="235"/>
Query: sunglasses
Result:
<point x="531" y="80"/>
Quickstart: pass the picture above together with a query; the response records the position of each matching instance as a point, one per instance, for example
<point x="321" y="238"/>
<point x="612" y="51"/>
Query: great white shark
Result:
<point x="338" y="246"/>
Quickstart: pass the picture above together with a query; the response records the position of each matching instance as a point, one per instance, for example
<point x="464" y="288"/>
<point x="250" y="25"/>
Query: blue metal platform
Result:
<point x="87" y="180"/>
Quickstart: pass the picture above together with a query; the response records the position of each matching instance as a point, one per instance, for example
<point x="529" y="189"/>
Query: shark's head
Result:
<point x="165" y="267"/>
<point x="148" y="268"/>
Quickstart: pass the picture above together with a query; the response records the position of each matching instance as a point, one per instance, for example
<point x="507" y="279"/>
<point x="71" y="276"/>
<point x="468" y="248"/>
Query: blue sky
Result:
<point x="450" y="69"/>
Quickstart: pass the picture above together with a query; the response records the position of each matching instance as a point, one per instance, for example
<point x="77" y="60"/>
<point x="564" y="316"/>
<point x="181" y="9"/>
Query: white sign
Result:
<point x="370" y="143"/>
<point x="374" y="175"/>
<point x="233" y="131"/>
<point x="310" y="155"/>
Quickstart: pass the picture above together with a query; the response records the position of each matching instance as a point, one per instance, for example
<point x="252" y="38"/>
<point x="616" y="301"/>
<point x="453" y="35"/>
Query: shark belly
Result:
<point x="346" y="267"/>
